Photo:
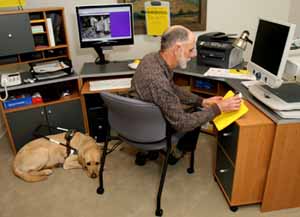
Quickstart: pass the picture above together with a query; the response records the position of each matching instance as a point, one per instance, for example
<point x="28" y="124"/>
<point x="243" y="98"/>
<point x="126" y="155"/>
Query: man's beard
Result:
<point x="182" y="61"/>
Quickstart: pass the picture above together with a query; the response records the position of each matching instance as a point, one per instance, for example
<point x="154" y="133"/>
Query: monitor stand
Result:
<point x="101" y="58"/>
<point x="286" y="97"/>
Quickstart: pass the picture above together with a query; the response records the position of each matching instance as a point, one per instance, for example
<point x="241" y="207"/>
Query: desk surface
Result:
<point x="40" y="83"/>
<point x="91" y="70"/>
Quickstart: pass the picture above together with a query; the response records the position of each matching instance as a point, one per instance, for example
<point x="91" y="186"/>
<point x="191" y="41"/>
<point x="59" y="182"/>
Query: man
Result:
<point x="153" y="82"/>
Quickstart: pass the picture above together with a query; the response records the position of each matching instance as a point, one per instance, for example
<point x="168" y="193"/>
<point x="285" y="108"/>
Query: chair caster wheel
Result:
<point x="159" y="212"/>
<point x="100" y="190"/>
<point x="190" y="170"/>
<point x="140" y="159"/>
<point x="233" y="208"/>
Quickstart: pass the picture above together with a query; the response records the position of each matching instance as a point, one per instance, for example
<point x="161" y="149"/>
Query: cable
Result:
<point x="6" y="94"/>
<point x="113" y="148"/>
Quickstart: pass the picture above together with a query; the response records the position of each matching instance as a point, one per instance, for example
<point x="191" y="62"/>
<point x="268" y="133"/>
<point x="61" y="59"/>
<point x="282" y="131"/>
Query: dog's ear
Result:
<point x="81" y="159"/>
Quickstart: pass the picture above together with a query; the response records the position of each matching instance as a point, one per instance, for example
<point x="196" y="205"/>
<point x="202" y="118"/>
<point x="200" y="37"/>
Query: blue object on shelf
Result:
<point x="18" y="102"/>
<point x="204" y="84"/>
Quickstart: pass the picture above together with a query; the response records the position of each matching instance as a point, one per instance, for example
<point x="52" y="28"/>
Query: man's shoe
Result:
<point x="140" y="158"/>
<point x="153" y="155"/>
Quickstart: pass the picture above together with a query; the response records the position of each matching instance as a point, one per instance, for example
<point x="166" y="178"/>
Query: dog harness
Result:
<point x="68" y="137"/>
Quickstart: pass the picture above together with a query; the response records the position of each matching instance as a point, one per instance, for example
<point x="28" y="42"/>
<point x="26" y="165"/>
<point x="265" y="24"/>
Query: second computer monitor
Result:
<point x="270" y="51"/>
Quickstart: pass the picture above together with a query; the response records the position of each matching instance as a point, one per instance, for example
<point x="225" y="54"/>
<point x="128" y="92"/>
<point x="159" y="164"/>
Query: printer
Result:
<point x="215" y="49"/>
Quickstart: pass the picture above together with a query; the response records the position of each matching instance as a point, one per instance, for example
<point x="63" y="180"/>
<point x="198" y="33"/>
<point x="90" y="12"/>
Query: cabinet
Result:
<point x="62" y="115"/>
<point x="34" y="35"/>
<point x="55" y="110"/>
<point x="243" y="156"/>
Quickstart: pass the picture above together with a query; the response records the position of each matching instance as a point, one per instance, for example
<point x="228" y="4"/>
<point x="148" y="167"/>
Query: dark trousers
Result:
<point x="189" y="140"/>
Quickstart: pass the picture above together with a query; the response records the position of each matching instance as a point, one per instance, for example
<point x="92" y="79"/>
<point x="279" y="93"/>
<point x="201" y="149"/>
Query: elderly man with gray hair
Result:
<point x="153" y="82"/>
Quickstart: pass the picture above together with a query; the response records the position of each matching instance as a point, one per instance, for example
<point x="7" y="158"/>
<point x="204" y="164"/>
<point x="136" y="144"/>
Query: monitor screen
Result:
<point x="270" y="51"/>
<point x="105" y="25"/>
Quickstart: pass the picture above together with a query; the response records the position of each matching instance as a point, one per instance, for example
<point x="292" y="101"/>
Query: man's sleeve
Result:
<point x="187" y="97"/>
<point x="170" y="104"/>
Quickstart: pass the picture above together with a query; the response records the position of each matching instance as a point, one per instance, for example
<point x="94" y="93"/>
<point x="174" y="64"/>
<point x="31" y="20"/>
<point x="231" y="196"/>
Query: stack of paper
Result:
<point x="230" y="73"/>
<point x="110" y="84"/>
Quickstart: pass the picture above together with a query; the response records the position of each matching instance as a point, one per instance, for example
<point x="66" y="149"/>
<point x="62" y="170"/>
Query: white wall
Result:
<point x="294" y="15"/>
<point x="232" y="16"/>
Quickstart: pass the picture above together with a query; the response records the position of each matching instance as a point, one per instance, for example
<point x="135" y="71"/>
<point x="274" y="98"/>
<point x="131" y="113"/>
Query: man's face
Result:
<point x="186" y="51"/>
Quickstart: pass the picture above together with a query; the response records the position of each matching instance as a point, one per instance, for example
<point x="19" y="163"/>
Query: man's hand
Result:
<point x="212" y="100"/>
<point x="230" y="104"/>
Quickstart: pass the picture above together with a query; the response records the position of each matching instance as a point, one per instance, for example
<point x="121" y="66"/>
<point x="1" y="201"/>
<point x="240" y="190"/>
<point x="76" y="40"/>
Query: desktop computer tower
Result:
<point x="96" y="116"/>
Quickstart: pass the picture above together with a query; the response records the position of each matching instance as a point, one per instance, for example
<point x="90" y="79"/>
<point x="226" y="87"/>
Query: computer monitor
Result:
<point x="105" y="25"/>
<point x="270" y="51"/>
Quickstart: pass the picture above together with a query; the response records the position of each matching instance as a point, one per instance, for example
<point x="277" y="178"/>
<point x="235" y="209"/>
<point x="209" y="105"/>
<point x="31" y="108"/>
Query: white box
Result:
<point x="50" y="32"/>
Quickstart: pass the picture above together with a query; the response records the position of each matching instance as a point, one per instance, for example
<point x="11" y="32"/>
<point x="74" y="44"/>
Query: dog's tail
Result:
<point x="29" y="176"/>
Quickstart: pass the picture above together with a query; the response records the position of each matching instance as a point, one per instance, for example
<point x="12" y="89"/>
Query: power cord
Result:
<point x="113" y="148"/>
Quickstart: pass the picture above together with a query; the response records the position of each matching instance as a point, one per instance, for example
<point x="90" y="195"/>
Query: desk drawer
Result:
<point x="228" y="138"/>
<point x="224" y="172"/>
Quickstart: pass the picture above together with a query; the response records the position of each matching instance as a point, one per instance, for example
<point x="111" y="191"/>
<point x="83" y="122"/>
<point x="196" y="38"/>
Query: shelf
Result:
<point x="37" y="21"/>
<point x="74" y="96"/>
<point x="41" y="40"/>
<point x="37" y="33"/>
<point x="226" y="155"/>
<point x="42" y="48"/>
<point x="203" y="91"/>
<point x="86" y="89"/>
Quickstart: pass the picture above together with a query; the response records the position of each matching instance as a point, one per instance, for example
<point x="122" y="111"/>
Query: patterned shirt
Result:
<point x="153" y="82"/>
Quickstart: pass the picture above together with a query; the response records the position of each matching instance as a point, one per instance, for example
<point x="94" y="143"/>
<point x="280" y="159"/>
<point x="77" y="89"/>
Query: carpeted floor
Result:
<point x="130" y="190"/>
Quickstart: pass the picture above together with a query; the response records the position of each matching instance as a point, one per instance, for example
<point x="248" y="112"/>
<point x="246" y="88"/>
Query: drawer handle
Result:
<point x="227" y="134"/>
<point x="223" y="170"/>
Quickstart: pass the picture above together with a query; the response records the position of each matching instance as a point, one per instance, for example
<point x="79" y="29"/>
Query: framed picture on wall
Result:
<point x="189" y="13"/>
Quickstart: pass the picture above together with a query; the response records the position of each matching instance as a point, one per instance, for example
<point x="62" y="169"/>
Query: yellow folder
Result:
<point x="226" y="118"/>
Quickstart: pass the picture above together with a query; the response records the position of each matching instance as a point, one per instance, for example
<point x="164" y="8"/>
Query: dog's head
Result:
<point x="89" y="158"/>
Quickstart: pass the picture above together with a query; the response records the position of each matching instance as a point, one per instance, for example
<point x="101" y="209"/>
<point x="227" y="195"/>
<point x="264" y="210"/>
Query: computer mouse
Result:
<point x="134" y="64"/>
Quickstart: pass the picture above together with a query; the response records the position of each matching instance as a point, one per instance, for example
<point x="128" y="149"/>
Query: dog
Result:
<point x="35" y="160"/>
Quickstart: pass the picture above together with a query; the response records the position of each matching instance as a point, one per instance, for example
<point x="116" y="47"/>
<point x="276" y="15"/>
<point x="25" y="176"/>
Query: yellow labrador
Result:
<point x="35" y="161"/>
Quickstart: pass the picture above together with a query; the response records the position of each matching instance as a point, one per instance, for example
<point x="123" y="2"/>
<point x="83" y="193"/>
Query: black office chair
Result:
<point x="150" y="131"/>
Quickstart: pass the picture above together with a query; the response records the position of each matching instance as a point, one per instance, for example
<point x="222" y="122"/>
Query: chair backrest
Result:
<point x="134" y="119"/>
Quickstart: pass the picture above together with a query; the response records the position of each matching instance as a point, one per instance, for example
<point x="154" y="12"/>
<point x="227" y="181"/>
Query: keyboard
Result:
<point x="289" y="114"/>
<point x="110" y="84"/>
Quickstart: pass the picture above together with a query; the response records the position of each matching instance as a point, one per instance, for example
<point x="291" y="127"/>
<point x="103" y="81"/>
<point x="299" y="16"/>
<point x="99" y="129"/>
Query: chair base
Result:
<point x="159" y="212"/>
<point x="190" y="170"/>
<point x="100" y="190"/>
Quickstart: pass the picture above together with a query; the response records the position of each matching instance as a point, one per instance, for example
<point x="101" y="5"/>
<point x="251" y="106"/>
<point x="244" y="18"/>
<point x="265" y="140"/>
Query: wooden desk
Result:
<point x="268" y="147"/>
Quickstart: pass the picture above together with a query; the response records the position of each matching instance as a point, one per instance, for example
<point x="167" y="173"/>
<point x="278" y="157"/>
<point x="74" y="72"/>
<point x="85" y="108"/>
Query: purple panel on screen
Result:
<point x="120" y="24"/>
